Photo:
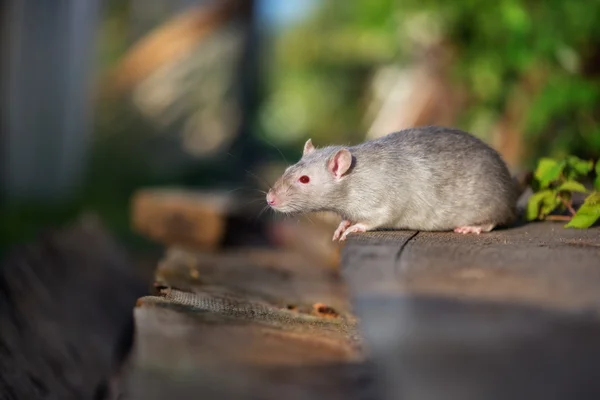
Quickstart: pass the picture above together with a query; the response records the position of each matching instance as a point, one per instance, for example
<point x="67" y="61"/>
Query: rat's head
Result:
<point x="313" y="183"/>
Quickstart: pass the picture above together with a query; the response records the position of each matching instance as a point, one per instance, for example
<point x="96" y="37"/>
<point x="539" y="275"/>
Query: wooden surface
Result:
<point x="507" y="315"/>
<point x="172" y="216"/>
<point x="538" y="263"/>
<point x="512" y="314"/>
<point x="245" y="324"/>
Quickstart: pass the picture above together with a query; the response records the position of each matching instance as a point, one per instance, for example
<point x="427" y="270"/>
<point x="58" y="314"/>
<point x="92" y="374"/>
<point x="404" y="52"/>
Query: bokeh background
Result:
<point x="100" y="98"/>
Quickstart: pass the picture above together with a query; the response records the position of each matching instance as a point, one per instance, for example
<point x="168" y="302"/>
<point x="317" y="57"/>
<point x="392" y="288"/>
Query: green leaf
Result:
<point x="572" y="186"/>
<point x="537" y="201"/>
<point x="549" y="204"/>
<point x="588" y="213"/>
<point x="579" y="166"/>
<point x="548" y="170"/>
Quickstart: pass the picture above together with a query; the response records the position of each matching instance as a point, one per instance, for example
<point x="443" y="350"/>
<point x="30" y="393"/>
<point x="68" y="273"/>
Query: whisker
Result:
<point x="265" y="208"/>
<point x="234" y="190"/>
<point x="259" y="179"/>
<point x="276" y="148"/>
<point x="310" y="219"/>
<point x="253" y="201"/>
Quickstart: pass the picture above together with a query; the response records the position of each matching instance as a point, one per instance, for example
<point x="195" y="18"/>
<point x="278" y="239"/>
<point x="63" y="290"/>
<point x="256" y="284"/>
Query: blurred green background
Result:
<point x="204" y="94"/>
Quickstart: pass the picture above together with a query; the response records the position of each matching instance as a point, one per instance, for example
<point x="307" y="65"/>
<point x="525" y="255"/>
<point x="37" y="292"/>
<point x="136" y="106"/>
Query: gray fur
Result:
<point x="426" y="178"/>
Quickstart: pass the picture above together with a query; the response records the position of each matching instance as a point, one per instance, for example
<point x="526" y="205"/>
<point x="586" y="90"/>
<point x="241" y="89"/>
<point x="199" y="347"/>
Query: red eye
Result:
<point x="304" y="179"/>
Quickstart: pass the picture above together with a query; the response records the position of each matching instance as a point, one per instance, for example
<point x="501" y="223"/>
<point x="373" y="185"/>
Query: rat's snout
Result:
<point x="271" y="199"/>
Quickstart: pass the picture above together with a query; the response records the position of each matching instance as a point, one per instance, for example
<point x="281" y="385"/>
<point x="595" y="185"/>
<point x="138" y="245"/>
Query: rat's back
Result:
<point x="431" y="178"/>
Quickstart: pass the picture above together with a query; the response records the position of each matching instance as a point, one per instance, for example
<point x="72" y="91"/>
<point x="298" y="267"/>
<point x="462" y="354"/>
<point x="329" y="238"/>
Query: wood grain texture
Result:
<point x="276" y="277"/>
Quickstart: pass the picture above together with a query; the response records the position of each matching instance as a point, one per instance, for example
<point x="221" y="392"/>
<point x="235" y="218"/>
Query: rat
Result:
<point x="428" y="178"/>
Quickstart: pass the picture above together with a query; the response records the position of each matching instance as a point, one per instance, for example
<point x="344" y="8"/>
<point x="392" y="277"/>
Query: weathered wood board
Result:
<point x="512" y="314"/>
<point x="243" y="325"/>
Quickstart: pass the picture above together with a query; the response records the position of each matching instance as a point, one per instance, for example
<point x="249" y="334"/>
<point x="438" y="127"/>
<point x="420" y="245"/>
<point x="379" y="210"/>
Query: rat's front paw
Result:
<point x="352" y="229"/>
<point x="340" y="229"/>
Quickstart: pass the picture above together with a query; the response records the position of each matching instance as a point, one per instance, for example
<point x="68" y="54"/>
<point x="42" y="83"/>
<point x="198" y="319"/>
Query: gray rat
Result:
<point x="426" y="178"/>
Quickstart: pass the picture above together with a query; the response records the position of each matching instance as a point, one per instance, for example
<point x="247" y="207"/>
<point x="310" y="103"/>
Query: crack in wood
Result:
<point x="398" y="258"/>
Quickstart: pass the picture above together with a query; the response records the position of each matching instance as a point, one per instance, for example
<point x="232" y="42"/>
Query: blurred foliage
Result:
<point x="318" y="71"/>
<point x="543" y="54"/>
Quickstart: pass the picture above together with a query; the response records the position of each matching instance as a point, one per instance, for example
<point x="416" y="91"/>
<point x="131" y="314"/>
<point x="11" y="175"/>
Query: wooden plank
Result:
<point x="331" y="381"/>
<point x="222" y="326"/>
<point x="172" y="216"/>
<point x="277" y="277"/>
<point x="539" y="263"/>
<point x="197" y="219"/>
<point x="509" y="314"/>
<point x="238" y="353"/>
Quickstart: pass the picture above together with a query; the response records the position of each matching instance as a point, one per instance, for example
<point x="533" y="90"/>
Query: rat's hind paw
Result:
<point x="352" y="229"/>
<point x="340" y="229"/>
<point x="476" y="229"/>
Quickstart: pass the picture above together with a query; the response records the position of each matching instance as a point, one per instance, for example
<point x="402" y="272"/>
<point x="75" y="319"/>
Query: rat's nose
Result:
<point x="270" y="198"/>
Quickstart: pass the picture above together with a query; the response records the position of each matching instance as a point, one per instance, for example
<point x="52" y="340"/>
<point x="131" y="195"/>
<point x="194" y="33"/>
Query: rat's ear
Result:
<point x="308" y="147"/>
<point x="340" y="163"/>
